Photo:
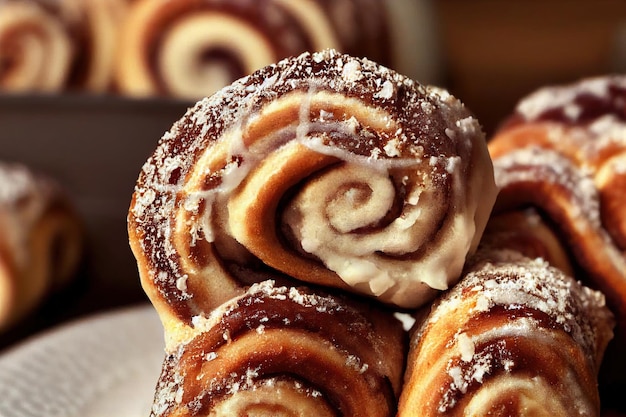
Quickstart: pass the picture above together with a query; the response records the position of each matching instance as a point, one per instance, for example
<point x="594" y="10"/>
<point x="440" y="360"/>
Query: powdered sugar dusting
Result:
<point x="267" y="290"/>
<point x="506" y="278"/>
<point x="592" y="112"/>
<point x="567" y="98"/>
<point x="574" y="139"/>
<point x="305" y="299"/>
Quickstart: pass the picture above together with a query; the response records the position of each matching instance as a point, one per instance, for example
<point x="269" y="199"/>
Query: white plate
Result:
<point x="102" y="366"/>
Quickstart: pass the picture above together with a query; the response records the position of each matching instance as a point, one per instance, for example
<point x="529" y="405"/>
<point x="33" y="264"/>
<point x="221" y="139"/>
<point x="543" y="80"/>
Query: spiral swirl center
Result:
<point x="367" y="199"/>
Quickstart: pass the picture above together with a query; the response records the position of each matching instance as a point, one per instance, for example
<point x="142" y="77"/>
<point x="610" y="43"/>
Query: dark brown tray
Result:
<point x="95" y="147"/>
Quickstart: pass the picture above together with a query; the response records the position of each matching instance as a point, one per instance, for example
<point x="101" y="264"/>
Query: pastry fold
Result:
<point x="41" y="241"/>
<point x="323" y="169"/>
<point x="279" y="350"/>
<point x="515" y="337"/>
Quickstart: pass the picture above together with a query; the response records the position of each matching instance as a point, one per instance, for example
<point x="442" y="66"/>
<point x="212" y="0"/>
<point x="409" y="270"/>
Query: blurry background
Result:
<point x="94" y="136"/>
<point x="495" y="52"/>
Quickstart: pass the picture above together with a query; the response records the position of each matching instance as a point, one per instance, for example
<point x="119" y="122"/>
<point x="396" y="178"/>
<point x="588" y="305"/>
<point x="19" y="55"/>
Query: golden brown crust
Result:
<point x="514" y="337"/>
<point x="40" y="243"/>
<point x="256" y="181"/>
<point x="286" y="351"/>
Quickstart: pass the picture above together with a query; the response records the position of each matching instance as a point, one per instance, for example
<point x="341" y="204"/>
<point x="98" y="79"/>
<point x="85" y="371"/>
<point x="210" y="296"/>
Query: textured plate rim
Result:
<point x="77" y="368"/>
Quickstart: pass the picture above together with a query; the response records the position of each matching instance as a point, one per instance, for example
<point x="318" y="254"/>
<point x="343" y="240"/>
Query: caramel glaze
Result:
<point x="584" y="122"/>
<point x="528" y="359"/>
<point x="355" y="367"/>
<point x="590" y="105"/>
<point x="581" y="236"/>
<point x="527" y="232"/>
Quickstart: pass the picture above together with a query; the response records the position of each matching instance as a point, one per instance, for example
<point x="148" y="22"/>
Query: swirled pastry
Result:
<point x="515" y="337"/>
<point x="191" y="48"/>
<point x="40" y="241"/>
<point x="285" y="351"/>
<point x="323" y="168"/>
<point x="52" y="46"/>
<point x="36" y="52"/>
<point x="563" y="152"/>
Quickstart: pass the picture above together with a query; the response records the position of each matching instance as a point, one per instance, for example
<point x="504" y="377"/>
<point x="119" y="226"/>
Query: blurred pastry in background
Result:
<point x="52" y="46"/>
<point x="192" y="48"/>
<point x="36" y="51"/>
<point x="97" y="26"/>
<point x="41" y="240"/>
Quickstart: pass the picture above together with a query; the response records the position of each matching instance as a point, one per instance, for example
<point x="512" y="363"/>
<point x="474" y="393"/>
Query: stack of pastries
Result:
<point x="190" y="48"/>
<point x="285" y="224"/>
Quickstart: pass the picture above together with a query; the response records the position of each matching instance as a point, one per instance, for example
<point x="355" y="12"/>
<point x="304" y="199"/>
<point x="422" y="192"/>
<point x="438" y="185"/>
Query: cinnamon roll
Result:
<point x="563" y="152"/>
<point x="53" y="46"/>
<point x="279" y="350"/>
<point x="36" y="52"/>
<point x="191" y="48"/>
<point x="515" y="337"/>
<point x="322" y="168"/>
<point x="40" y="241"/>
